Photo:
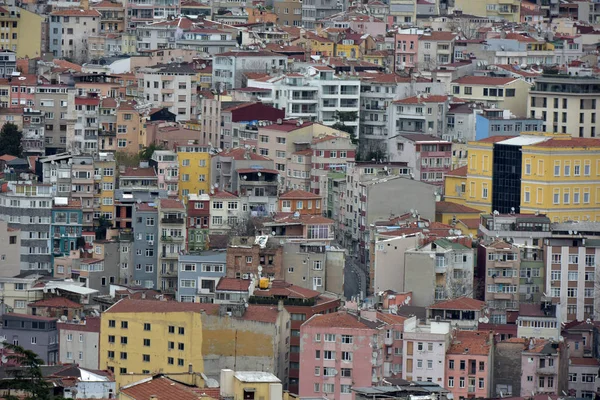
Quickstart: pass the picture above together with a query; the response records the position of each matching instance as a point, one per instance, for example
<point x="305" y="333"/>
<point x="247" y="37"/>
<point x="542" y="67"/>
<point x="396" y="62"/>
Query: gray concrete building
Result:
<point x="506" y="372"/>
<point x="198" y="276"/>
<point x="315" y="10"/>
<point x="306" y="261"/>
<point x="79" y="341"/>
<point x="145" y="246"/>
<point x="28" y="207"/>
<point x="10" y="260"/>
<point x="32" y="332"/>
<point x="52" y="99"/>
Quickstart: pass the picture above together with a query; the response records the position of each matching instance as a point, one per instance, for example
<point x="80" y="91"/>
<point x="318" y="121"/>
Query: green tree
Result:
<point x="128" y="159"/>
<point x="103" y="226"/>
<point x="346" y="116"/>
<point x="28" y="378"/>
<point x="147" y="152"/>
<point x="10" y="140"/>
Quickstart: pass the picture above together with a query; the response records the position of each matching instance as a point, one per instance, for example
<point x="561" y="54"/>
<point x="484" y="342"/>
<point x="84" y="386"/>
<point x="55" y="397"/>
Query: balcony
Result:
<point x="169" y="178"/>
<point x="546" y="370"/>
<point x="168" y="254"/>
<point x="172" y="239"/>
<point x="506" y="279"/>
<point x="172" y="220"/>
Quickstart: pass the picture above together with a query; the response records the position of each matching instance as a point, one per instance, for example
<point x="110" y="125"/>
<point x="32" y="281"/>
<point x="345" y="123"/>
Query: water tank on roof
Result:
<point x="263" y="284"/>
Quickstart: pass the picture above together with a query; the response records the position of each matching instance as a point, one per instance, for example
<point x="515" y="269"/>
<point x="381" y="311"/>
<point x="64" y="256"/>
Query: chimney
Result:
<point x="280" y="305"/>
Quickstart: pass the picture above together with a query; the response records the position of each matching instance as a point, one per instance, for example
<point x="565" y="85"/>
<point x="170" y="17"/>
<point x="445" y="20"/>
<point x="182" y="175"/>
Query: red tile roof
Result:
<point x="56" y="302"/>
<point x="288" y="126"/>
<point x="462" y="303"/>
<point x="391" y="319"/>
<point x="437" y="36"/>
<point x="584" y="361"/>
<point x="483" y="80"/>
<point x="90" y="324"/>
<point x="238" y="154"/>
<point x="234" y="284"/>
<point x="520" y="38"/>
<point x="171" y="203"/>
<point x="569" y="143"/>
<point x="422" y="99"/>
<point x="462" y="171"/>
<point x="222" y="194"/>
<point x="287" y="290"/>
<point x="299" y="194"/>
<point x="67" y="64"/>
<point x="471" y="223"/>
<point x="449" y="207"/>
<point x="135" y="172"/>
<point x="161" y="387"/>
<point x="340" y="319"/>
<point x="470" y="342"/>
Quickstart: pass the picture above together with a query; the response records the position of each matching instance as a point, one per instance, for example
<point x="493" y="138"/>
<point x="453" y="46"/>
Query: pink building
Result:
<point x="406" y="49"/>
<point x="469" y="365"/>
<point x="340" y="350"/>
<point x="167" y="171"/>
<point x="545" y="367"/>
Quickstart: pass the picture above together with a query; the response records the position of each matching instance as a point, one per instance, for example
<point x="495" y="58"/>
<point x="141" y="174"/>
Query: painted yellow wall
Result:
<point x="159" y="336"/>
<point x="194" y="170"/>
<point x="105" y="193"/>
<point x="452" y="189"/>
<point x="571" y="173"/>
<point x="261" y="389"/>
<point x="479" y="176"/>
<point x="481" y="8"/>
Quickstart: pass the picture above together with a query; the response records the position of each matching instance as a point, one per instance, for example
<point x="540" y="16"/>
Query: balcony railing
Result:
<point x="172" y="220"/>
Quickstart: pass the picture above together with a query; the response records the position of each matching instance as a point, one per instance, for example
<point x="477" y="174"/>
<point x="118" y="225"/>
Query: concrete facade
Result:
<point x="79" y="342"/>
<point x="34" y="333"/>
<point x="10" y="258"/>
<point x="198" y="276"/>
<point x="145" y="246"/>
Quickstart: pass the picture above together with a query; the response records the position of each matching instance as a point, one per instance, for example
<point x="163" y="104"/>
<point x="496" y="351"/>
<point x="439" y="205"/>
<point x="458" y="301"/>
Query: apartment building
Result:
<point x="69" y="30"/>
<point x="83" y="137"/>
<point x="194" y="170"/>
<point x="570" y="262"/>
<point x="425" y="348"/>
<point x="469" y="363"/>
<point x="24" y="33"/>
<point x="171" y="242"/>
<point x="145" y="246"/>
<point x="337" y="351"/>
<point x="509" y="11"/>
<point x="33" y="138"/>
<point x="165" y="164"/>
<point x="10" y="262"/>
<point x="198" y="276"/>
<point x="54" y="100"/>
<point x="436" y="48"/>
<point x="417" y="114"/>
<point x="541" y="181"/>
<point x="225" y="212"/>
<point x="171" y="86"/>
<point x="229" y="67"/>
<point x="315" y="10"/>
<point x="503" y="93"/>
<point x="138" y="14"/>
<point x="162" y="34"/>
<point x="78" y="342"/>
<point x="368" y="185"/>
<point x="428" y="157"/>
<point x="438" y="271"/>
<point x="27" y="207"/>
<point x="198" y="215"/>
<point x="566" y="104"/>
<point x="545" y="367"/>
<point x="541" y="320"/>
<point x="494" y="122"/>
<point x="66" y="225"/>
<point x="33" y="333"/>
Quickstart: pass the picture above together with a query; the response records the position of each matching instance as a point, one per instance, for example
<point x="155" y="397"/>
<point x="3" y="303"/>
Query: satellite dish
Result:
<point x="260" y="268"/>
<point x="259" y="174"/>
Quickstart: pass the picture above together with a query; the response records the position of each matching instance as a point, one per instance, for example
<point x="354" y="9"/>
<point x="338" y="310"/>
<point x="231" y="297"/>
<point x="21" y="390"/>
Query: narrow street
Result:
<point x="354" y="279"/>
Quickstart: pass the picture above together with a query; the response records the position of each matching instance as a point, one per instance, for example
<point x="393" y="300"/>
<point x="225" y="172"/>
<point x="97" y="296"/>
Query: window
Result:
<point x="146" y="342"/>
<point x="481" y="383"/>
<point x="346" y="356"/>
<point x="146" y="357"/>
<point x="463" y="365"/>
<point x="329" y="337"/>
<point x="451" y="381"/>
<point x="111" y="323"/>
<point x="328" y="355"/>
<point x="461" y="382"/>
<point x="347" y="339"/>
<point x="123" y="339"/>
<point x="124" y="324"/>
<point x="181" y="330"/>
<point x="451" y="364"/>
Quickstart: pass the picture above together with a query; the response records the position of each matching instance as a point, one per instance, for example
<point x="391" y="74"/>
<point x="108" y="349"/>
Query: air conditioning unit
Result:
<point x="246" y="276"/>
<point x="151" y="242"/>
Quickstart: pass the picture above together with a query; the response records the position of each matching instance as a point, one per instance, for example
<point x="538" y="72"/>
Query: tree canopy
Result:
<point x="10" y="140"/>
<point x="27" y="378"/>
